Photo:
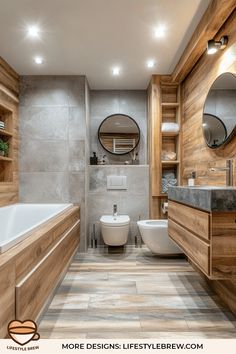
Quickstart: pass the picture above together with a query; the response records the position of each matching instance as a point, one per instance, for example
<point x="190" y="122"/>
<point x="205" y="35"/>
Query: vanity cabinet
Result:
<point x="207" y="238"/>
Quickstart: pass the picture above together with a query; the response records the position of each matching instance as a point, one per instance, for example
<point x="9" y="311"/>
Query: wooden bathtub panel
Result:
<point x="46" y="236"/>
<point x="33" y="291"/>
<point x="7" y="297"/>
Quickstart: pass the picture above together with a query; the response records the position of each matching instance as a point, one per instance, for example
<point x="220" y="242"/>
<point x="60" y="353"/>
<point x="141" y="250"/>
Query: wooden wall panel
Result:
<point x="9" y="92"/>
<point x="195" y="153"/>
<point x="216" y="14"/>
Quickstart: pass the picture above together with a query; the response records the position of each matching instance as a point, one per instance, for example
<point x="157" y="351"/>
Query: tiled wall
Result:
<point x="53" y="141"/>
<point x="134" y="201"/>
<point x="56" y="113"/>
<point x="107" y="102"/>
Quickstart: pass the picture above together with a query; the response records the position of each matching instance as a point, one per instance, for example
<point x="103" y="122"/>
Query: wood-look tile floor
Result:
<point x="133" y="294"/>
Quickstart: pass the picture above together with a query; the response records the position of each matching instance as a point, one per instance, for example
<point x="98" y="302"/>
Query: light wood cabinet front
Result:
<point x="208" y="239"/>
<point x="197" y="250"/>
<point x="197" y="221"/>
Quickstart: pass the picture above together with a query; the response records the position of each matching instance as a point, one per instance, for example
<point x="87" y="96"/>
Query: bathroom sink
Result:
<point x="209" y="198"/>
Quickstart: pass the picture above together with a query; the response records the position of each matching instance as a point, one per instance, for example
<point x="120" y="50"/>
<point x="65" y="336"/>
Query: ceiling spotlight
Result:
<point x="213" y="46"/>
<point x="38" y="60"/>
<point x="33" y="31"/>
<point x="160" y="31"/>
<point x="116" y="71"/>
<point x="150" y="64"/>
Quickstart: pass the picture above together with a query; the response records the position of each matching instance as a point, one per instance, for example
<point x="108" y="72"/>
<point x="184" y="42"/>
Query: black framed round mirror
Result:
<point x="219" y="113"/>
<point x="214" y="130"/>
<point x="119" y="134"/>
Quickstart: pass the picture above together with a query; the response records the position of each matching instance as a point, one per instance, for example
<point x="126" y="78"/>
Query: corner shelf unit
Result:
<point x="164" y="106"/>
<point x="6" y="134"/>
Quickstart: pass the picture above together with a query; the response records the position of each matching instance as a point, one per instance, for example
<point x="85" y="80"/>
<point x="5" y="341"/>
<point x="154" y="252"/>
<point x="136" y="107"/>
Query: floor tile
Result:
<point x="130" y="293"/>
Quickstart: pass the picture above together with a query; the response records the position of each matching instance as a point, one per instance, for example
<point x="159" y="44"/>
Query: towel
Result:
<point x="168" y="155"/>
<point x="170" y="127"/>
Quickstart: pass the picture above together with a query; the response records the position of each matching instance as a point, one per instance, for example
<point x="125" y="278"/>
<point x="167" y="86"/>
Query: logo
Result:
<point x="23" y="332"/>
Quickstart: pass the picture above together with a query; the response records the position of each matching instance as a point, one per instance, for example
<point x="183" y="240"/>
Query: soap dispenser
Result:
<point x="94" y="159"/>
<point x="191" y="180"/>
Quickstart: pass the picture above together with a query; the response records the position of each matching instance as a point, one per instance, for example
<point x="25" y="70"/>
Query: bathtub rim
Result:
<point x="35" y="234"/>
<point x="8" y="244"/>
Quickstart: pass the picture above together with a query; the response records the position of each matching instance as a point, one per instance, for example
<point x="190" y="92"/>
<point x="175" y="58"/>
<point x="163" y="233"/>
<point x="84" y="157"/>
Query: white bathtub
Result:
<point x="18" y="219"/>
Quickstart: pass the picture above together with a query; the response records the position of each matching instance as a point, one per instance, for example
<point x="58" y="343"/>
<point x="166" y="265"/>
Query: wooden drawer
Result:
<point x="33" y="291"/>
<point x="196" y="249"/>
<point x="196" y="221"/>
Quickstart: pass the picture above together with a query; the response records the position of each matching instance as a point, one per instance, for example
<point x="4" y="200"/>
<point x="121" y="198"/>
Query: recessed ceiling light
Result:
<point x="33" y="31"/>
<point x="116" y="71"/>
<point x="38" y="60"/>
<point x="160" y="31"/>
<point x="150" y="64"/>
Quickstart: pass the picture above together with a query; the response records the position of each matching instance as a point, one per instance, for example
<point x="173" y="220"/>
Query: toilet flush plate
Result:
<point x="116" y="182"/>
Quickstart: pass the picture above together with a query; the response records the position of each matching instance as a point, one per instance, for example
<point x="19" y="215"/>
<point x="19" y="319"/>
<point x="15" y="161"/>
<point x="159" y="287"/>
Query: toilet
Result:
<point x="155" y="236"/>
<point x="115" y="229"/>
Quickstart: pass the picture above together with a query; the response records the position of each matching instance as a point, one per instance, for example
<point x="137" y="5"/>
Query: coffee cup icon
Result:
<point x="23" y="332"/>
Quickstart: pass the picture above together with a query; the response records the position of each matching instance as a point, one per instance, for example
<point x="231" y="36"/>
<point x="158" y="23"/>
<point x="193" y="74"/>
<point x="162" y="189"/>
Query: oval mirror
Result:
<point x="119" y="134"/>
<point x="219" y="114"/>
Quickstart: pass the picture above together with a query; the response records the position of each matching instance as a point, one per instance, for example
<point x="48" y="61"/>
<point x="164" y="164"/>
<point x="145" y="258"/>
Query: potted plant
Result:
<point x="4" y="147"/>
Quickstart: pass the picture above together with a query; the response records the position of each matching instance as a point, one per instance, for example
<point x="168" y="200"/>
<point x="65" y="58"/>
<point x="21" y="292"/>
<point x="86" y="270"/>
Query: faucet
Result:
<point x="229" y="172"/>
<point x="115" y="213"/>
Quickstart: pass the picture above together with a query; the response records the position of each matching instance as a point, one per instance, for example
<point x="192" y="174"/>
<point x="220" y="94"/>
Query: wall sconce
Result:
<point x="213" y="46"/>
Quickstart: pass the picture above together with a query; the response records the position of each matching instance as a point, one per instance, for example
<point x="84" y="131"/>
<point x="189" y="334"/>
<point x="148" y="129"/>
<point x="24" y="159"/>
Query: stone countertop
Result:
<point x="207" y="198"/>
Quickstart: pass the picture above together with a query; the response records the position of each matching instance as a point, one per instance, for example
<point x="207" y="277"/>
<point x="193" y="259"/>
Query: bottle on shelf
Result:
<point x="191" y="180"/>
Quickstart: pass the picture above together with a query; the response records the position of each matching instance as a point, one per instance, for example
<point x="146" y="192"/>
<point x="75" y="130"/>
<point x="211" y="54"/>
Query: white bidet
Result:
<point x="155" y="236"/>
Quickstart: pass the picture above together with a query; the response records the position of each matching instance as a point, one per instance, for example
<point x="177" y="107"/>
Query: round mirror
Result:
<point x="119" y="134"/>
<point x="219" y="114"/>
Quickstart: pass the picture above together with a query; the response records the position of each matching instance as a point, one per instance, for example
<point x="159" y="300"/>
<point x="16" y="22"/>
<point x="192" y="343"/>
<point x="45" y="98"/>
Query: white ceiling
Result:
<point x="90" y="36"/>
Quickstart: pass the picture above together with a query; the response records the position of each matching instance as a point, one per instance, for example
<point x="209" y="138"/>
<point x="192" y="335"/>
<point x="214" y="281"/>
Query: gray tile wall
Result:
<point x="58" y="117"/>
<point x="107" y="102"/>
<point x="134" y="201"/>
<point x="53" y="141"/>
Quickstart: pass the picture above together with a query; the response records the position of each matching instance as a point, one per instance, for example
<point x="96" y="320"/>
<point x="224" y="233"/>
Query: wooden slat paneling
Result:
<point x="216" y="14"/>
<point x="196" y="155"/>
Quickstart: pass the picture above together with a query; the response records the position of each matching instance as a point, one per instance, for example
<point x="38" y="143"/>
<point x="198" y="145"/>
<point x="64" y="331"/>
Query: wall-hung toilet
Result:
<point x="155" y="236"/>
<point x="115" y="229"/>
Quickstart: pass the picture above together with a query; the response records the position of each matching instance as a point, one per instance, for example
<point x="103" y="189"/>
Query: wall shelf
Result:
<point x="168" y="162"/>
<point x="170" y="104"/>
<point x="4" y="132"/>
<point x="4" y="158"/>
<point x="169" y="133"/>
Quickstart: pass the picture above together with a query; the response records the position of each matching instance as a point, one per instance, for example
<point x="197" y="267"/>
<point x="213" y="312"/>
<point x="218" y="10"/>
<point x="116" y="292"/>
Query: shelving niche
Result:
<point x="6" y="162"/>
<point x="164" y="106"/>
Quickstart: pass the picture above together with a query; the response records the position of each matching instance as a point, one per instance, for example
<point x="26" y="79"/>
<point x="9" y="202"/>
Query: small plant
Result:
<point x="4" y="147"/>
